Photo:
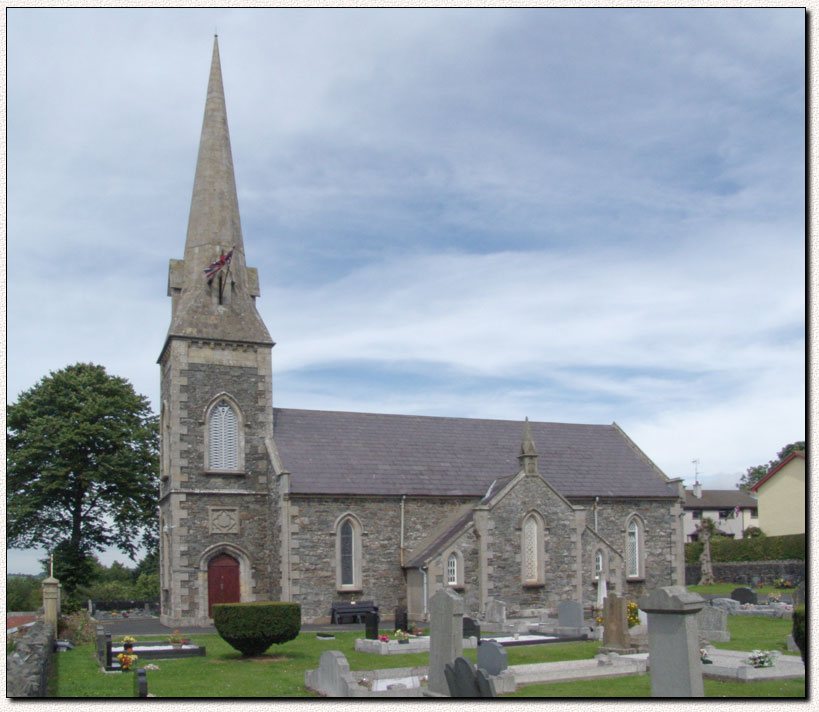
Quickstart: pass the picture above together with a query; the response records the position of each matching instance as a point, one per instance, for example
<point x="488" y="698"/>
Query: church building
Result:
<point x="261" y="503"/>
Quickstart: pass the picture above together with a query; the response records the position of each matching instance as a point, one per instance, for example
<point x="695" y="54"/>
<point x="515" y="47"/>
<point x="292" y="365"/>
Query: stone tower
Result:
<point x="217" y="490"/>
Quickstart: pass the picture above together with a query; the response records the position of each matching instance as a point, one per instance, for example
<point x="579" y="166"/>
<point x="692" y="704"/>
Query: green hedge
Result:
<point x="800" y="633"/>
<point x="763" y="548"/>
<point x="252" y="628"/>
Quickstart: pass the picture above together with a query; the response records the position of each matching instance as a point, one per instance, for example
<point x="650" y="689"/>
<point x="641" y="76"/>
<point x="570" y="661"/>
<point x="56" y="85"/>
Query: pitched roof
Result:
<point x="431" y="545"/>
<point x="370" y="453"/>
<point x="795" y="454"/>
<point x="719" y="499"/>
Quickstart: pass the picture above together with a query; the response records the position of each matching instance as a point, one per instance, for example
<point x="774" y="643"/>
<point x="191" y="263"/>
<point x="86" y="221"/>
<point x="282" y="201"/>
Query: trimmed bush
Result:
<point x="800" y="633"/>
<point x="790" y="547"/>
<point x="252" y="628"/>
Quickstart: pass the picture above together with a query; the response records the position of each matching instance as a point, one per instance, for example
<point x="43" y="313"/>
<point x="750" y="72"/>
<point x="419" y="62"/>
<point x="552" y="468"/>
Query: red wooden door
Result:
<point x="223" y="581"/>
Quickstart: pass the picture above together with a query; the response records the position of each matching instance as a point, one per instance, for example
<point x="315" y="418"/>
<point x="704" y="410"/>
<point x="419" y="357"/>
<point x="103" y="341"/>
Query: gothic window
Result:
<point x="598" y="564"/>
<point x="532" y="550"/>
<point x="348" y="554"/>
<point x="634" y="548"/>
<point x="224" y="437"/>
<point x="452" y="570"/>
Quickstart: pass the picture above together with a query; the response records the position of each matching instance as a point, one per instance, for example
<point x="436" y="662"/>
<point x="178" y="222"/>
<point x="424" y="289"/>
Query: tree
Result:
<point x="757" y="472"/>
<point x="82" y="457"/>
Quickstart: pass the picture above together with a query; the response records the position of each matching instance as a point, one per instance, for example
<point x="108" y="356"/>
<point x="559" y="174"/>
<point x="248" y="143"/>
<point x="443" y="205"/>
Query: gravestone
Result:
<point x="569" y="618"/>
<point x="401" y="618"/>
<point x="615" y="625"/>
<point x="492" y="657"/>
<point x="446" y="609"/>
<point x="728" y="604"/>
<point x="140" y="683"/>
<point x="713" y="625"/>
<point x="798" y="595"/>
<point x="464" y="680"/>
<point x="332" y="678"/>
<point x="495" y="612"/>
<point x="371" y="625"/>
<point x="101" y="644"/>
<point x="471" y="628"/>
<point x="673" y="638"/>
<point x="108" y="657"/>
<point x="744" y="595"/>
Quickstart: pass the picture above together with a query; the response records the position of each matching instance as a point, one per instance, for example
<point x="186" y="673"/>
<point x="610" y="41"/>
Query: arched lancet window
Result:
<point x="598" y="564"/>
<point x="348" y="554"/>
<point x="634" y="548"/>
<point x="224" y="437"/>
<point x="452" y="570"/>
<point x="532" y="550"/>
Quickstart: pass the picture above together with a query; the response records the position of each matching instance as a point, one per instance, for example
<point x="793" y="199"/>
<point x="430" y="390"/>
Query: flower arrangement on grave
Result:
<point x="783" y="583"/>
<point x="633" y="614"/>
<point x="401" y="636"/>
<point x="128" y="639"/>
<point x="761" y="658"/>
<point x="384" y="638"/>
<point x="704" y="657"/>
<point x="417" y="631"/>
<point x="176" y="639"/>
<point x="127" y="660"/>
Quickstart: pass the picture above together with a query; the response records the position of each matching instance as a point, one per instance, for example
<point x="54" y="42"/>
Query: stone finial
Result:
<point x="528" y="453"/>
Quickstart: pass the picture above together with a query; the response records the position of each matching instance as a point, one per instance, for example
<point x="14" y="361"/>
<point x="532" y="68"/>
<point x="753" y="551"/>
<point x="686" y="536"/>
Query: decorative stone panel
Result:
<point x="224" y="520"/>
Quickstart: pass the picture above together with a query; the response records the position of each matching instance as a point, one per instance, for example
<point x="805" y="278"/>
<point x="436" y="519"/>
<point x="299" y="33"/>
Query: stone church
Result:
<point x="264" y="503"/>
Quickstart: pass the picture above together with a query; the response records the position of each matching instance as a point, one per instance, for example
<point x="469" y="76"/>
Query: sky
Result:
<point x="588" y="215"/>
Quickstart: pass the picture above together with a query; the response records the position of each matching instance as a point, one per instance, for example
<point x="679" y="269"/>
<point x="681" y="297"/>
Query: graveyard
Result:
<point x="536" y="665"/>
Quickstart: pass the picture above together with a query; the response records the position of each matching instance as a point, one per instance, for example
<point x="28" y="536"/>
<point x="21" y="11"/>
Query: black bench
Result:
<point x="354" y="611"/>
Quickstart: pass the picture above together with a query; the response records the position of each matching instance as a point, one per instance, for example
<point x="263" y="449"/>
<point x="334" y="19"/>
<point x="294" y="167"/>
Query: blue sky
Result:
<point x="571" y="215"/>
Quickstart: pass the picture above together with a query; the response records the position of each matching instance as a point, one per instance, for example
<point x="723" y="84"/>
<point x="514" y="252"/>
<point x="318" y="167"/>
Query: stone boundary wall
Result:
<point x="28" y="667"/>
<point x="744" y="572"/>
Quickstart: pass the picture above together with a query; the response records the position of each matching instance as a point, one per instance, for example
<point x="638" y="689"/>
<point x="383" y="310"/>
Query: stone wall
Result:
<point x="749" y="573"/>
<point x="313" y="547"/>
<point x="28" y="667"/>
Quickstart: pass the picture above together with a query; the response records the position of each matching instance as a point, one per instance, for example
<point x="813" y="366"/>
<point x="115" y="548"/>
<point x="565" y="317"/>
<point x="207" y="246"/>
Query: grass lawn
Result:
<point x="280" y="672"/>
<point x="725" y="589"/>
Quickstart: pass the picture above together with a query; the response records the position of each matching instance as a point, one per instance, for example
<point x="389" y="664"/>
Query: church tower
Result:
<point x="217" y="544"/>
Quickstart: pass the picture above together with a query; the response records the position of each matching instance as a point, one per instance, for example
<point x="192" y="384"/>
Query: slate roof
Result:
<point x="719" y="499"/>
<point x="369" y="453"/>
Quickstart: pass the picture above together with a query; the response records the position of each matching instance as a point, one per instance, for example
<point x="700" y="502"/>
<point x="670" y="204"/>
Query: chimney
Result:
<point x="698" y="490"/>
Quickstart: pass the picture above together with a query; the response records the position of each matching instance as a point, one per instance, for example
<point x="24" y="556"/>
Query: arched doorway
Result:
<point x="223" y="581"/>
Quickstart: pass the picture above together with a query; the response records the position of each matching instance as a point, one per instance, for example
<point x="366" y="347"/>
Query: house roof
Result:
<point x="369" y="453"/>
<point x="776" y="469"/>
<point x="719" y="499"/>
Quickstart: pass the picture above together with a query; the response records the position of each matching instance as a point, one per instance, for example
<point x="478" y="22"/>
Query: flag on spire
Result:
<point x="216" y="266"/>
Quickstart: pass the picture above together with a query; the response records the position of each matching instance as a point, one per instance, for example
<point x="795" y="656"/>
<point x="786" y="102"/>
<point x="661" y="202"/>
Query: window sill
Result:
<point x="238" y="473"/>
<point x="635" y="579"/>
<point x="456" y="586"/>
<point x="349" y="589"/>
<point x="533" y="584"/>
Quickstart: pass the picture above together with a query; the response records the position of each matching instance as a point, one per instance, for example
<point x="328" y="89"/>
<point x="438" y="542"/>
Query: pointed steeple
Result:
<point x="528" y="453"/>
<point x="224" y="307"/>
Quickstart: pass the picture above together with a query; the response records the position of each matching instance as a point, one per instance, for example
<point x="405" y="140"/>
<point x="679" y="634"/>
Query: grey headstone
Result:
<point x="728" y="604"/>
<point x="471" y="628"/>
<point x="798" y="595"/>
<point x="446" y="610"/>
<point x="101" y="644"/>
<point x="495" y="612"/>
<point x="713" y="624"/>
<point x="744" y="595"/>
<point x="569" y="614"/>
<point x="674" y="648"/>
<point x="492" y="657"/>
<point x="463" y="680"/>
<point x="140" y="683"/>
<point x="615" y="622"/>
<point x="333" y="674"/>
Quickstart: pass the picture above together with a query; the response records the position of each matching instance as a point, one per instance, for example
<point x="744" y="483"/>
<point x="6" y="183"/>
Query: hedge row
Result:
<point x="762" y="548"/>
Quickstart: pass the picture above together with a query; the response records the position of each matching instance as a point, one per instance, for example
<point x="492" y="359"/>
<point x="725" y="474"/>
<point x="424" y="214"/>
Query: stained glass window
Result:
<point x="347" y="554"/>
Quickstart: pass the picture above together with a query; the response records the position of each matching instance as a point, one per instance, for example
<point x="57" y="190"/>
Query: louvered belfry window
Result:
<point x="347" y="554"/>
<point x="223" y="438"/>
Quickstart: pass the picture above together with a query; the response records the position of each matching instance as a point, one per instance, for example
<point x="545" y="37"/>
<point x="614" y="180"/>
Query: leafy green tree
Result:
<point x="82" y="457"/>
<point x="757" y="472"/>
<point x="23" y="593"/>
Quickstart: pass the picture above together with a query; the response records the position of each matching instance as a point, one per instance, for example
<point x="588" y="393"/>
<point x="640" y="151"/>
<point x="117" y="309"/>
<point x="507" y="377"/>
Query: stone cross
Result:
<point x="446" y="610"/>
<point x="706" y="570"/>
<point x="673" y="640"/>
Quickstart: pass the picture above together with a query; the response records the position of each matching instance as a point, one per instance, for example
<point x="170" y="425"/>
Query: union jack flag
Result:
<point x="214" y="268"/>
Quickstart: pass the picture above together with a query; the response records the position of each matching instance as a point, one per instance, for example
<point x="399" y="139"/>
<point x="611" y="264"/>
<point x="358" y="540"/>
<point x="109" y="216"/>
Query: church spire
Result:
<point x="528" y="453"/>
<point x="223" y="307"/>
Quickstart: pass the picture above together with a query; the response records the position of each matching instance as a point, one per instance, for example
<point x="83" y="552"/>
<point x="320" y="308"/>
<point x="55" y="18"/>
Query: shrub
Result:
<point x="800" y="634"/>
<point x="78" y="627"/>
<point x="761" y="548"/>
<point x="252" y="628"/>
